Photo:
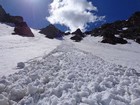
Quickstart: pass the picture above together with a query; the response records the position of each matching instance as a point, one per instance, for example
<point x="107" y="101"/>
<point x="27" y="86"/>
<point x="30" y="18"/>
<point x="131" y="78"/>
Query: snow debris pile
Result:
<point x="68" y="76"/>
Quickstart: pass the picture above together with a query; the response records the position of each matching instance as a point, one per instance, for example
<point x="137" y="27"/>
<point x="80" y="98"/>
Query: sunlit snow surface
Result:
<point x="14" y="48"/>
<point x="126" y="55"/>
<point x="76" y="74"/>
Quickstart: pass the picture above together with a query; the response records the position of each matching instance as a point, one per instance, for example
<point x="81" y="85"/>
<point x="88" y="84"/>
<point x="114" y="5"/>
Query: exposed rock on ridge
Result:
<point x="78" y="35"/>
<point x="21" y="27"/>
<point x="51" y="32"/>
<point x="129" y="29"/>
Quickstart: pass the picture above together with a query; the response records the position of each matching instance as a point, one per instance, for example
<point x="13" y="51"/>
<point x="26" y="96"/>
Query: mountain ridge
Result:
<point x="21" y="27"/>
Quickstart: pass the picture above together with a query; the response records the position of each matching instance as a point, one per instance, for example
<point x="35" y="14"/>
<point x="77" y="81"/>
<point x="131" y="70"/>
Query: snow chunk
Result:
<point x="136" y="102"/>
<point x="32" y="89"/>
<point x="17" y="93"/>
<point x="3" y="100"/>
<point x="125" y="28"/>
<point x="106" y="98"/>
<point x="116" y="102"/>
<point x="2" y="87"/>
<point x="20" y="65"/>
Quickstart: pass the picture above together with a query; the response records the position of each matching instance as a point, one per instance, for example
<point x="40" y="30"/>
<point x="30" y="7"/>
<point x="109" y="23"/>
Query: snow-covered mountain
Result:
<point x="63" y="72"/>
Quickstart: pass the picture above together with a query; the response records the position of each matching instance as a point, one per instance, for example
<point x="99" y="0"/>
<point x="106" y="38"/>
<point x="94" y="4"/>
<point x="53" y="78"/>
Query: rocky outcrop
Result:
<point x="134" y="20"/>
<point x="88" y="33"/>
<point x="67" y="33"/>
<point x="78" y="32"/>
<point x="21" y="27"/>
<point x="16" y="19"/>
<point x="78" y="35"/>
<point x="109" y="37"/>
<point x="113" y="40"/>
<point x="23" y="30"/>
<point x="51" y="32"/>
<point x="2" y="14"/>
<point x="138" y="40"/>
<point x="12" y="19"/>
<point x="129" y="29"/>
<point x="76" y="38"/>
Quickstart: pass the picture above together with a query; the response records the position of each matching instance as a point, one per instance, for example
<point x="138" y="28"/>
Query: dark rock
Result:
<point x="2" y="14"/>
<point x="114" y="28"/>
<point x="88" y="32"/>
<point x="109" y="37"/>
<point x="118" y="25"/>
<point x="138" y="40"/>
<point x="109" y="30"/>
<point x="131" y="33"/>
<point x="67" y="33"/>
<point x="127" y="34"/>
<point x="51" y="32"/>
<point x="120" y="40"/>
<point x="20" y="65"/>
<point x="17" y="19"/>
<point x="108" y="40"/>
<point x="108" y="33"/>
<point x="76" y="38"/>
<point x="78" y="35"/>
<point x="13" y="19"/>
<point x="106" y="25"/>
<point x="134" y="20"/>
<point x="78" y="32"/>
<point x="21" y="24"/>
<point x="96" y="32"/>
<point x="22" y="29"/>
<point x="6" y="17"/>
<point x="114" y="40"/>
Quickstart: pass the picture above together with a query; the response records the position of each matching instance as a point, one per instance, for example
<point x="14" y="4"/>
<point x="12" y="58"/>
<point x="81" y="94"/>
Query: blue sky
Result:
<point x="36" y="11"/>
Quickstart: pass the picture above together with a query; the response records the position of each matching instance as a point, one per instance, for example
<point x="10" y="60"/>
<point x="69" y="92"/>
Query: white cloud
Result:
<point x="73" y="13"/>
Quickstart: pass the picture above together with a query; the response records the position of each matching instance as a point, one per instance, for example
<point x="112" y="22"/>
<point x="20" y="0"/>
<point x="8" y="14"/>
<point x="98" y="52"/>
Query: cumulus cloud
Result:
<point x="73" y="13"/>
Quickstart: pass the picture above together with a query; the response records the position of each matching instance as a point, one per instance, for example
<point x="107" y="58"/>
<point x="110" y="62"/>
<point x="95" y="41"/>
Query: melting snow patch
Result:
<point x="125" y="28"/>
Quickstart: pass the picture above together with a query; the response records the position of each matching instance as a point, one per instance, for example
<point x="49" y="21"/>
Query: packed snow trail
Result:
<point x="68" y="76"/>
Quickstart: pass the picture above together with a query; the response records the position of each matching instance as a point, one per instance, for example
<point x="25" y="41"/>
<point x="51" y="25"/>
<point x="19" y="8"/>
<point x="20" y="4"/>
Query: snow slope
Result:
<point x="69" y="76"/>
<point x="14" y="48"/>
<point x="68" y="73"/>
<point x="127" y="55"/>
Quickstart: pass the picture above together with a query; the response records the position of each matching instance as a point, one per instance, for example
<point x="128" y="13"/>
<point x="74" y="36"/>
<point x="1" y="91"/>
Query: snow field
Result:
<point x="68" y="76"/>
<point x="126" y="55"/>
<point x="15" y="49"/>
<point x="84" y="73"/>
